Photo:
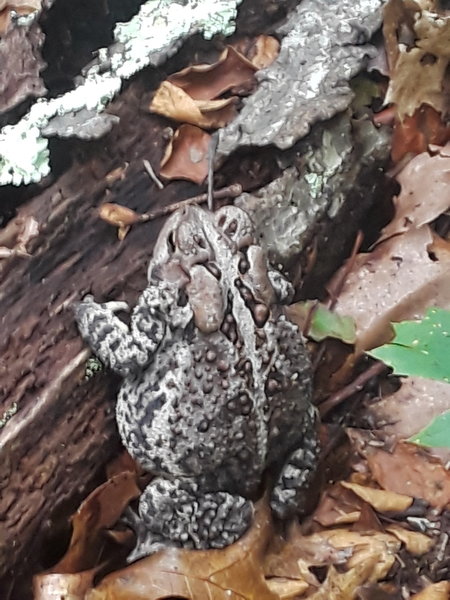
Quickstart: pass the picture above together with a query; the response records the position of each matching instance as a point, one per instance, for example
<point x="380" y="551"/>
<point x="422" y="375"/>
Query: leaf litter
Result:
<point x="392" y="503"/>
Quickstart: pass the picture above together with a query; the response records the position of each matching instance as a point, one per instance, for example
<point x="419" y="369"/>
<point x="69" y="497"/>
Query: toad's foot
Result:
<point x="178" y="513"/>
<point x="289" y="496"/>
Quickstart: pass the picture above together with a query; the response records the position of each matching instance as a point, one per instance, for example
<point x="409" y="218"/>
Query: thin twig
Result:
<point x="211" y="154"/>
<point x="350" y="389"/>
<point x="148" y="167"/>
<point x="232" y="191"/>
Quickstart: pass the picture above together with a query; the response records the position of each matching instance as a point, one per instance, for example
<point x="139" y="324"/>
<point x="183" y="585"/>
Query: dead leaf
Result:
<point x="380" y="500"/>
<point x="56" y="586"/>
<point x="292" y="558"/>
<point x="118" y="215"/>
<point x="338" y="507"/>
<point x="232" y="573"/>
<point x="287" y="589"/>
<point x="364" y="546"/>
<point x="260" y="51"/>
<point x="205" y="82"/>
<point x="416" y="543"/>
<point x="424" y="193"/>
<point x="413" y="406"/>
<point x="397" y="15"/>
<point x="435" y="591"/>
<point x="412" y="471"/>
<point x="266" y="49"/>
<point x="172" y="102"/>
<point x="415" y="134"/>
<point x="186" y="156"/>
<point x="398" y="280"/>
<point x="370" y="556"/>
<point x="98" y="512"/>
<point x="419" y="70"/>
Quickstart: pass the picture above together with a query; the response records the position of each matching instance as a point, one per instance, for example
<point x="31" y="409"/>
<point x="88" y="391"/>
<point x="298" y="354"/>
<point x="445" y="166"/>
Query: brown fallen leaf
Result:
<point x="186" y="156"/>
<point x="380" y="500"/>
<point x="70" y="586"/>
<point x="412" y="471"/>
<point x="234" y="573"/>
<point x="398" y="280"/>
<point x="118" y="215"/>
<point x="264" y="51"/>
<point x="415" y="133"/>
<point x="419" y="68"/>
<point x="97" y="513"/>
<point x="413" y="406"/>
<point x="364" y="546"/>
<point x="368" y="558"/>
<point x="205" y="82"/>
<point x="338" y="506"/>
<point x="287" y="589"/>
<point x="416" y="543"/>
<point x="425" y="184"/>
<point x="435" y="591"/>
<point x="174" y="103"/>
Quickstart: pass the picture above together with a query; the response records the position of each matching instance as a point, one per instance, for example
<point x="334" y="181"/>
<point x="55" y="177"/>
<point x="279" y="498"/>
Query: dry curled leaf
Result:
<point x="174" y="103"/>
<point x="411" y="471"/>
<point x="420" y="61"/>
<point x="234" y="573"/>
<point x="380" y="500"/>
<point x="206" y="82"/>
<point x="97" y="513"/>
<point x="338" y="506"/>
<point x="264" y="51"/>
<point x="72" y="576"/>
<point x="186" y="156"/>
<point x="118" y="215"/>
<point x="416" y="543"/>
<point x="435" y="591"/>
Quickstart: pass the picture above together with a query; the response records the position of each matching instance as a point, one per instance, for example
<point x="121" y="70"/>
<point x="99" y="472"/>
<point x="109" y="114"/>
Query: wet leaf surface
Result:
<point x="186" y="156"/>
<point x="420" y="347"/>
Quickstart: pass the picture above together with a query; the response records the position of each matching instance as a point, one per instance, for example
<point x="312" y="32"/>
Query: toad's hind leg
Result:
<point x="289" y="495"/>
<point x="178" y="513"/>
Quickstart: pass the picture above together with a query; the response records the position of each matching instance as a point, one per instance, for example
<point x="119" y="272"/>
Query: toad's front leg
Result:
<point x="179" y="513"/>
<point x="124" y="349"/>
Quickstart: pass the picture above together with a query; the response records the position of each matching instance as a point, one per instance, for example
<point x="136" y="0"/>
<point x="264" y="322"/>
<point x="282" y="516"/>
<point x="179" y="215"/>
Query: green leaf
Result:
<point x="436" y="434"/>
<point x="324" y="323"/>
<point x="420" y="347"/>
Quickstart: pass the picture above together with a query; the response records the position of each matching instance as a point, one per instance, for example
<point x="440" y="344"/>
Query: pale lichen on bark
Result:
<point x="155" y="33"/>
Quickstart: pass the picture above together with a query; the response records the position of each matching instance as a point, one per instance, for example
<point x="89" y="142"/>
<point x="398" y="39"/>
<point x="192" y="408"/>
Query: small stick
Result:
<point x="148" y="167"/>
<point x="211" y="153"/>
<point x="355" y="386"/>
<point x="232" y="191"/>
